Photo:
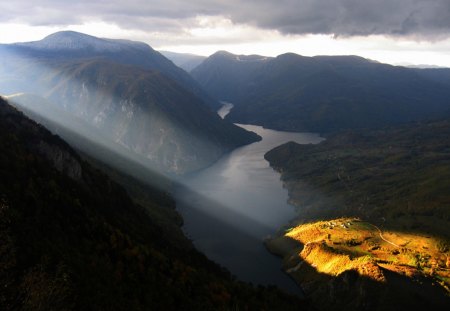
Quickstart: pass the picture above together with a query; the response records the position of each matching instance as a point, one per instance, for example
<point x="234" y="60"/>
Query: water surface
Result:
<point x="225" y="109"/>
<point x="230" y="207"/>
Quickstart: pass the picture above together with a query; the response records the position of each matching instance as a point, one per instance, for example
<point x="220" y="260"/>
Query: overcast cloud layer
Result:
<point x="421" y="19"/>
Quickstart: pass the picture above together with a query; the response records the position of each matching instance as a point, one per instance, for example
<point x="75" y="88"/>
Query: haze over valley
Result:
<point x="236" y="156"/>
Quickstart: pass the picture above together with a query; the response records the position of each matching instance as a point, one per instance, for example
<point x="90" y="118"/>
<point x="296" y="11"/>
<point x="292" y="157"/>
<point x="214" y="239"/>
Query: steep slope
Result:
<point x="72" y="239"/>
<point x="386" y="173"/>
<point x="147" y="113"/>
<point x="143" y="110"/>
<point x="69" y="45"/>
<point x="228" y="77"/>
<point x="88" y="141"/>
<point x="185" y="61"/>
<point x="439" y="75"/>
<point x="323" y="93"/>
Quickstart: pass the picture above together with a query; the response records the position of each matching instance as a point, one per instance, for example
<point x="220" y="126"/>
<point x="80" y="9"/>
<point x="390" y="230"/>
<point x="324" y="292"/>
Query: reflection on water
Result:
<point x="230" y="207"/>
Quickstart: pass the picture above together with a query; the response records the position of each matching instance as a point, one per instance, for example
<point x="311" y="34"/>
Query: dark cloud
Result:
<point x="419" y="18"/>
<point x="424" y="19"/>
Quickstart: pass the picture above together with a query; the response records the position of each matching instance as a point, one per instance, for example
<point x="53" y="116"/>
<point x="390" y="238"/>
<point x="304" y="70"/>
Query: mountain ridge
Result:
<point x="80" y="46"/>
<point x="71" y="40"/>
<point x="323" y="93"/>
<point x="232" y="73"/>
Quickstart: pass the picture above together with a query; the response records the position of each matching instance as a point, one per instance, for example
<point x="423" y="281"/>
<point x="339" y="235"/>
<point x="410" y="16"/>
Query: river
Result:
<point x="231" y="206"/>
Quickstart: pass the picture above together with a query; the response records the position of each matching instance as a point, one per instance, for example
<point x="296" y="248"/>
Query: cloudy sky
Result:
<point x="393" y="31"/>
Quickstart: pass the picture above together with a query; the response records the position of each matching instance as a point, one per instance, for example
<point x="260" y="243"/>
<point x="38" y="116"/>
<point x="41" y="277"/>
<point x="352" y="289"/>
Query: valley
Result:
<point x="74" y="239"/>
<point x="242" y="201"/>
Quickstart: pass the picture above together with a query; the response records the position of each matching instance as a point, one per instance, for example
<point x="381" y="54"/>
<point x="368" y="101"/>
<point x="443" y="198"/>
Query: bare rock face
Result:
<point x="146" y="113"/>
<point x="61" y="160"/>
<point x="42" y="142"/>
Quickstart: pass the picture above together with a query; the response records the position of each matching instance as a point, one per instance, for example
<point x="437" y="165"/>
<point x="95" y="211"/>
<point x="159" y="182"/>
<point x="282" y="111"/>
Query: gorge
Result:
<point x="242" y="201"/>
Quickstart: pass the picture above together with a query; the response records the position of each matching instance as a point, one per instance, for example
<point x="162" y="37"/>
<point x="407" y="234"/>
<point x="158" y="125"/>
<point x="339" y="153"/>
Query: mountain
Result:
<point x="228" y="77"/>
<point x="75" y="42"/>
<point x="373" y="217"/>
<point x="185" y="61"/>
<point x="356" y="171"/>
<point x="72" y="239"/>
<point x="322" y="93"/>
<point x="142" y="110"/>
<point x="69" y="45"/>
<point x="89" y="141"/>
<point x="439" y="75"/>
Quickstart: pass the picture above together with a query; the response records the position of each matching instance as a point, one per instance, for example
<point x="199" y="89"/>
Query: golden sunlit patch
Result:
<point x="339" y="245"/>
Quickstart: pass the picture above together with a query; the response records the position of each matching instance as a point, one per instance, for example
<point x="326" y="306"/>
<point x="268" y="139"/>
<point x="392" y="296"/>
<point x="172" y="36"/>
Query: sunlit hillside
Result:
<point x="399" y="268"/>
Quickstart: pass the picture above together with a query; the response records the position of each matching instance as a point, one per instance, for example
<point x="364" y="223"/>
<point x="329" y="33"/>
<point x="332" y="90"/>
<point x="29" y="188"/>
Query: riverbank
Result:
<point x="356" y="258"/>
<point x="384" y="196"/>
<point x="230" y="207"/>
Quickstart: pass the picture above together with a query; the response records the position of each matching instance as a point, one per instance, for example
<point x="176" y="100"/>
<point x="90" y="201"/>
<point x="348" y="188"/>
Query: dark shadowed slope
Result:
<point x="439" y="75"/>
<point x="228" y="77"/>
<point x="390" y="173"/>
<point x="72" y="239"/>
<point x="322" y="93"/>
<point x="88" y="141"/>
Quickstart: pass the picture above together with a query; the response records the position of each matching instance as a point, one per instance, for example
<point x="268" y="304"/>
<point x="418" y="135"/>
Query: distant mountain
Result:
<point x="72" y="239"/>
<point x="419" y="66"/>
<point x="438" y="75"/>
<point x="142" y="110"/>
<point x="76" y="42"/>
<point x="322" y="93"/>
<point x="184" y="60"/>
<point x="69" y="45"/>
<point x="228" y="77"/>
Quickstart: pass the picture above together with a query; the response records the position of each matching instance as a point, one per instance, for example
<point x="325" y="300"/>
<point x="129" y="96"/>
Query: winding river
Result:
<point x="230" y="207"/>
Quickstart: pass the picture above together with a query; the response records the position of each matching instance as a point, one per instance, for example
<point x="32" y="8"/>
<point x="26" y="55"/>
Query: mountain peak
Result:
<point x="68" y="34"/>
<point x="223" y="53"/>
<point x="73" y="41"/>
<point x="344" y="59"/>
<point x="239" y="58"/>
<point x="291" y="55"/>
<point x="68" y="40"/>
